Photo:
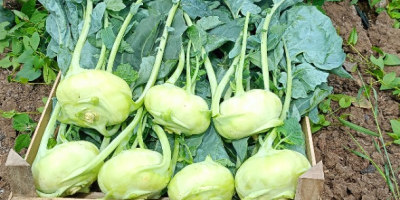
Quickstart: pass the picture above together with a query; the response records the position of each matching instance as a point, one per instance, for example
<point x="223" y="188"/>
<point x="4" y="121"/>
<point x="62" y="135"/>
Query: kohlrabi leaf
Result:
<point x="115" y="5"/>
<point x="218" y="36"/>
<point x="108" y="37"/>
<point x="310" y="76"/>
<point x="57" y="22"/>
<point x="72" y="13"/>
<point x="305" y="105"/>
<point x="97" y="18"/>
<point x="240" y="147"/>
<point x="311" y="36"/>
<point x="198" y="37"/>
<point x="291" y="132"/>
<point x="145" y="70"/>
<point x="242" y="6"/>
<point x="195" y="8"/>
<point x="174" y="41"/>
<point x="210" y="22"/>
<point x="212" y="145"/>
<point x="142" y="41"/>
<point x="126" y="72"/>
<point x="90" y="53"/>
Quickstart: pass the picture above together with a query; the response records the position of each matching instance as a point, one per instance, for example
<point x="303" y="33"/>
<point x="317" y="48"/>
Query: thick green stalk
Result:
<point x="142" y="126"/>
<point x="194" y="78"/>
<point x="75" y="67"/>
<point x="175" y="154"/>
<point x="107" y="139"/>
<point x="289" y="81"/>
<point x="239" y="69"/>
<point x="100" y="63"/>
<point x="212" y="78"/>
<point x="178" y="71"/>
<point x="110" y="148"/>
<point x="119" y="37"/>
<point x="221" y="86"/>
<point x="188" y="76"/>
<point x="48" y="132"/>
<point x="159" y="56"/>
<point x="166" y="161"/>
<point x="61" y="134"/>
<point x="264" y="49"/>
<point x="269" y="141"/>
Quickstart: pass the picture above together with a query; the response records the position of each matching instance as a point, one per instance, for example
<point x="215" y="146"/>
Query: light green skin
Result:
<point x="49" y="171"/>
<point x="94" y="99"/>
<point x="134" y="174"/>
<point x="270" y="175"/>
<point x="251" y="113"/>
<point x="177" y="110"/>
<point x="206" y="180"/>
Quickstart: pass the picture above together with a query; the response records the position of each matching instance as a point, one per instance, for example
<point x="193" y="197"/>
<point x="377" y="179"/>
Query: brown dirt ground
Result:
<point x="347" y="176"/>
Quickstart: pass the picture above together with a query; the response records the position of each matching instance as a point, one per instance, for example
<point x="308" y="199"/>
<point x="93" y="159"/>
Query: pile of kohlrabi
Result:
<point x="189" y="99"/>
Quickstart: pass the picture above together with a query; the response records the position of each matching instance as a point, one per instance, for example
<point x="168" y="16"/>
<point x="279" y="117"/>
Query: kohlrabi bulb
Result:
<point x="137" y="173"/>
<point x="270" y="174"/>
<point x="202" y="181"/>
<point x="253" y="112"/>
<point x="134" y="174"/>
<point x="94" y="99"/>
<point x="177" y="110"/>
<point x="50" y="170"/>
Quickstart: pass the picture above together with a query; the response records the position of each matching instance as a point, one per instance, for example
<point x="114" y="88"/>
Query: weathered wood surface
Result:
<point x="311" y="184"/>
<point x="19" y="175"/>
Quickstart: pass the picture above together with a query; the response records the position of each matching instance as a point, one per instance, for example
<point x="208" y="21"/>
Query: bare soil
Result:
<point x="347" y="176"/>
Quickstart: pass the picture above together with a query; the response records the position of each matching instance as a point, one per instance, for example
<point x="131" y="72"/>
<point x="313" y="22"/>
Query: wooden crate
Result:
<point x="19" y="175"/>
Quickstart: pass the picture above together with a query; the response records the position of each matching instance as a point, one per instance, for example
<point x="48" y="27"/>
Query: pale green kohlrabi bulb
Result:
<point x="177" y="110"/>
<point x="253" y="112"/>
<point x="50" y="170"/>
<point x="270" y="174"/>
<point x="137" y="173"/>
<point x="205" y="180"/>
<point x="94" y="99"/>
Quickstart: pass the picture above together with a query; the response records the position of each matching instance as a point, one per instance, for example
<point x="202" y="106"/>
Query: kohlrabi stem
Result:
<point x="75" y="67"/>
<point x="248" y="85"/>
<point x="141" y="128"/>
<point x="212" y="78"/>
<point x="288" y="96"/>
<point x="166" y="161"/>
<point x="188" y="75"/>
<point x="264" y="47"/>
<point x="124" y="135"/>
<point x="269" y="141"/>
<point x="100" y="62"/>
<point x="228" y="94"/>
<point x="221" y="86"/>
<point x="178" y="71"/>
<point x="175" y="154"/>
<point x="48" y="132"/>
<point x="159" y="56"/>
<point x="196" y="72"/>
<point x="61" y="134"/>
<point x="106" y="141"/>
<point x="121" y="34"/>
<point x="239" y="69"/>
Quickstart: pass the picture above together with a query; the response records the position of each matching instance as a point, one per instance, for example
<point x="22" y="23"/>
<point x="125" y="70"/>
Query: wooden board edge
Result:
<point x="306" y="126"/>
<point x="44" y="118"/>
